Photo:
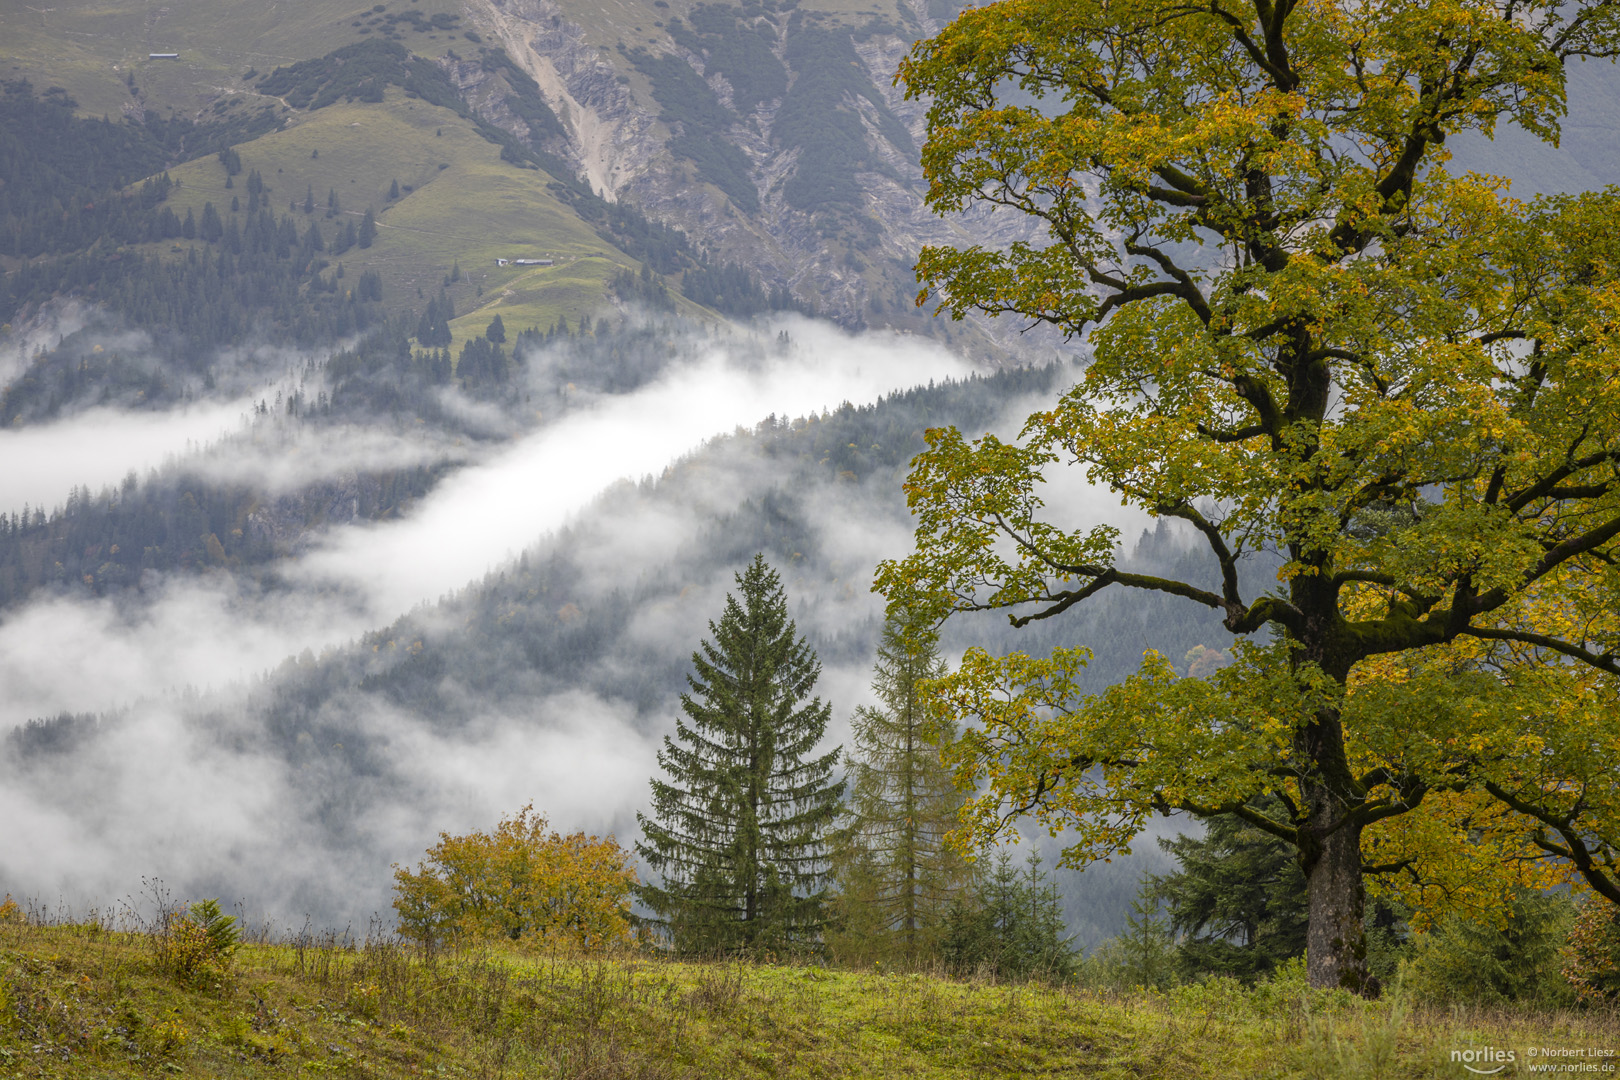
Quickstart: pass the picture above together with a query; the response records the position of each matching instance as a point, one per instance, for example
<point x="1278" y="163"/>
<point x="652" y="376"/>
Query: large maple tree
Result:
<point x="1310" y="341"/>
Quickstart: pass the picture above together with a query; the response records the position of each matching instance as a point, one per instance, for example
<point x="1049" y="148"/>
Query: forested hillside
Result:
<point x="188" y="517"/>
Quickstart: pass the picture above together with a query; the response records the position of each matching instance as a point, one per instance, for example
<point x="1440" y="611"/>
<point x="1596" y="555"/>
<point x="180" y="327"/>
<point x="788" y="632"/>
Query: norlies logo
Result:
<point x="1488" y="1059"/>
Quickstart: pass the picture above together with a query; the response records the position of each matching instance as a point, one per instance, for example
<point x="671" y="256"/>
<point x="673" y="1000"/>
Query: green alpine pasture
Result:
<point x="92" y="46"/>
<point x="460" y="208"/>
<point x="82" y="1001"/>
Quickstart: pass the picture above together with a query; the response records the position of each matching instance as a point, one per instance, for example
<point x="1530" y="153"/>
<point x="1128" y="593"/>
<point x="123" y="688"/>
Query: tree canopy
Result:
<point x="1311" y="343"/>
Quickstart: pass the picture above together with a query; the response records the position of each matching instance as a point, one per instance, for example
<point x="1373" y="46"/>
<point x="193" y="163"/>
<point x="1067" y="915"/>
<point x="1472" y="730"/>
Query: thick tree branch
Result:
<point x="1103" y="577"/>
<point x="1241" y="434"/>
<point x="1281" y="77"/>
<point x="1602" y="878"/>
<point x="1217" y="543"/>
<point x="1601" y="661"/>
<point x="1190" y="292"/>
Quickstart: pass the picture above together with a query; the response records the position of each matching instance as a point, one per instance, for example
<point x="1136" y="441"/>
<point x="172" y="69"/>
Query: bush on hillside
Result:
<point x="195" y="945"/>
<point x="518" y="883"/>
<point x="1592" y="956"/>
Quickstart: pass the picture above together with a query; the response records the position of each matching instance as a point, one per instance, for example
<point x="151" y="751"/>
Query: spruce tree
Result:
<point x="1237" y="901"/>
<point x="897" y="875"/>
<point x="211" y="228"/>
<point x="740" y="820"/>
<point x="1010" y="924"/>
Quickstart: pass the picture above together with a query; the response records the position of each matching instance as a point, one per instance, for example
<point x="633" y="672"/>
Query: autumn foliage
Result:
<point x="1311" y="339"/>
<point x="519" y="883"/>
<point x="1592" y="957"/>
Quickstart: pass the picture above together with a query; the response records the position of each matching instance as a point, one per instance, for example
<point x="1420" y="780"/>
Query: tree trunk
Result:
<point x="1330" y="842"/>
<point x="1335" y="940"/>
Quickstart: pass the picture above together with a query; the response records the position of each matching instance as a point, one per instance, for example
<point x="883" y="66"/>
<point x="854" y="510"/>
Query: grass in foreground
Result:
<point x="83" y="1001"/>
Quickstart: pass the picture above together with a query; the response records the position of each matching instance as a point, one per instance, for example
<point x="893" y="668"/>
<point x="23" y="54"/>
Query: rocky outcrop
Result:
<point x="853" y="266"/>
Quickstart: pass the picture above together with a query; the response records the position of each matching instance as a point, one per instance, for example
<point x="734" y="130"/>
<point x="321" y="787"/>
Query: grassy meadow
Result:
<point x="83" y="1001"/>
<point x="91" y="46"/>
<point x="459" y="205"/>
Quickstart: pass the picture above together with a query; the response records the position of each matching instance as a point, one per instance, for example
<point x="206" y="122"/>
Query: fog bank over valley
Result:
<point x="256" y="736"/>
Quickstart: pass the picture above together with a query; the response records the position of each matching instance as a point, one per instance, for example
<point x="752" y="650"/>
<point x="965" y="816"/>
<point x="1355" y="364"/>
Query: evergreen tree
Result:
<point x="346" y="238"/>
<point x="739" y="826"/>
<point x="1145" y="955"/>
<point x="1237" y="900"/>
<point x="309" y="198"/>
<point x="482" y="363"/>
<point x="496" y="331"/>
<point x="896" y="873"/>
<point x="368" y="229"/>
<point x="434" y="326"/>
<point x="1011" y="923"/>
<point x="393" y="191"/>
<point x="211" y="229"/>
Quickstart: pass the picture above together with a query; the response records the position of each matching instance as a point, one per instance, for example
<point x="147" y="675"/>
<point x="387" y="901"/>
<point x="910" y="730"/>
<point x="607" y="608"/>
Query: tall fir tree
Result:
<point x="740" y="821"/>
<point x="897" y="875"/>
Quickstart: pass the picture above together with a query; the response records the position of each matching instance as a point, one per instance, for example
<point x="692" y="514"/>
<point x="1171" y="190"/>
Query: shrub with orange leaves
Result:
<point x="1592" y="957"/>
<point x="9" y="911"/>
<point x="520" y="882"/>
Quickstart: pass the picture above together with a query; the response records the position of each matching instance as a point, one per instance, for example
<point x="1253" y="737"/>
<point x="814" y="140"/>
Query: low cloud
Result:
<point x="79" y="655"/>
<point x="192" y="787"/>
<point x="484" y="516"/>
<point x="20" y="344"/>
<point x="98" y="447"/>
<point x="285" y="457"/>
<point x="209" y="812"/>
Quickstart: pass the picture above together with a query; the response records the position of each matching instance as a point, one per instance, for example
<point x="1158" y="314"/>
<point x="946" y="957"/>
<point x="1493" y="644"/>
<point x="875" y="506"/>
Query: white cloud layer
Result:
<point x="483" y="516"/>
<point x="98" y="447"/>
<point x="211" y="807"/>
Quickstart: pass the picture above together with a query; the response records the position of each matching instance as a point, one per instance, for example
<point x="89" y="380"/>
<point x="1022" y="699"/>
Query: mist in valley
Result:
<point x="279" y="734"/>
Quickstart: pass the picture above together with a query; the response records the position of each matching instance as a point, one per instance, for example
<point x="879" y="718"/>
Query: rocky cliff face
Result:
<point x="774" y="139"/>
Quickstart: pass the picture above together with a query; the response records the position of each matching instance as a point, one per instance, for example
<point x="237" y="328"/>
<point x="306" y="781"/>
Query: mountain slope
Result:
<point x="768" y="137"/>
